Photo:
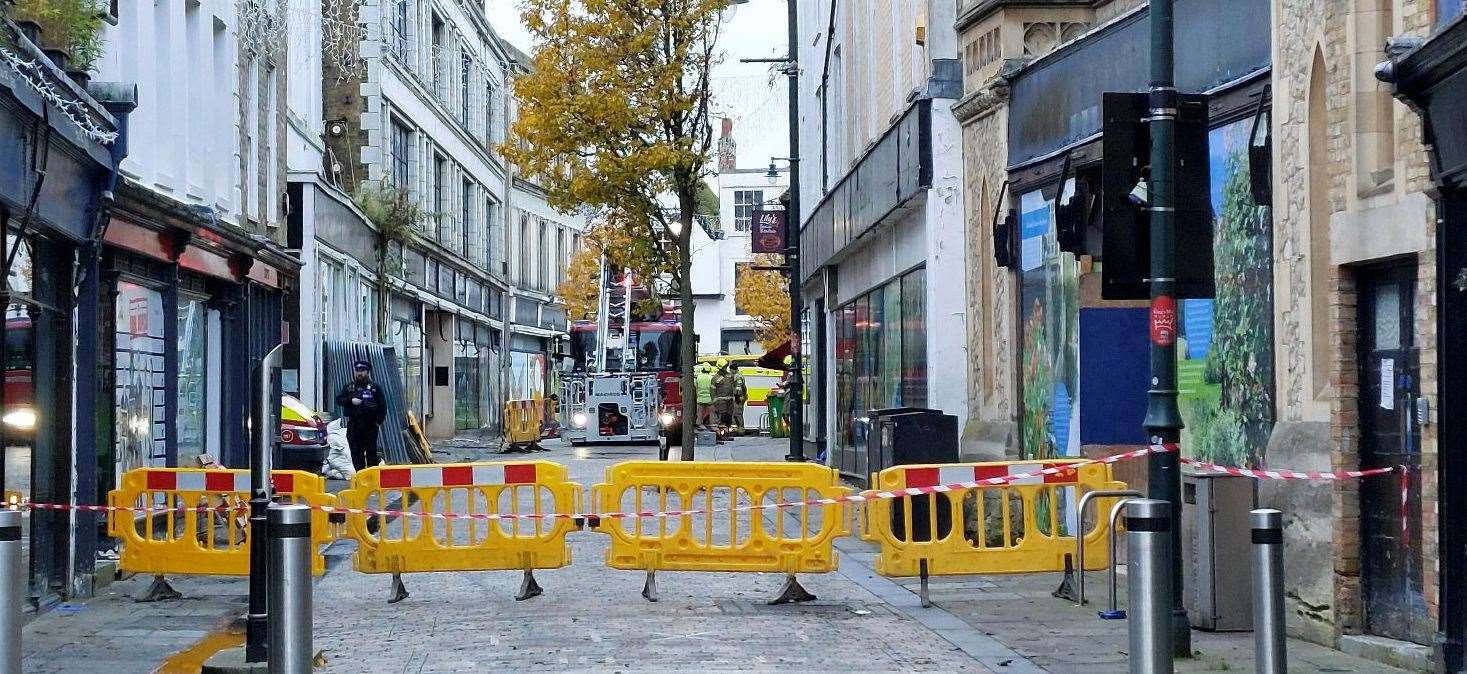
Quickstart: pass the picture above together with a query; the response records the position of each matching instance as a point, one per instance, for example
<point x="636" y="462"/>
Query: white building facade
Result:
<point x="882" y="218"/>
<point x="721" y="254"/>
<point x="423" y="114"/>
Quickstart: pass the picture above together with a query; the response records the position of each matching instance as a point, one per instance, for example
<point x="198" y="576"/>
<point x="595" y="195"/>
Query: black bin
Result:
<point x="912" y="435"/>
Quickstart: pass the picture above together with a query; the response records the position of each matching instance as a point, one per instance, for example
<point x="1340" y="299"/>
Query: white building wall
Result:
<point x="873" y="66"/>
<point x="947" y="387"/>
<point x="184" y="134"/>
<point x="303" y="94"/>
<point x="561" y="231"/>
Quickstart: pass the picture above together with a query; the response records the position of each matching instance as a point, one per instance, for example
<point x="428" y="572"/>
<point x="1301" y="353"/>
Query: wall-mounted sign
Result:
<point x="767" y="232"/>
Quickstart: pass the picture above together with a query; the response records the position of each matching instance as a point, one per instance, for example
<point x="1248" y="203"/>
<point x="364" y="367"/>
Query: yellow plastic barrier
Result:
<point x="1022" y="527"/>
<point x="487" y="531"/>
<point x="523" y="421"/>
<point x="717" y="528"/>
<point x="180" y="537"/>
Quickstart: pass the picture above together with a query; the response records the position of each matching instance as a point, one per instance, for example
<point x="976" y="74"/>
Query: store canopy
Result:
<point x="774" y="358"/>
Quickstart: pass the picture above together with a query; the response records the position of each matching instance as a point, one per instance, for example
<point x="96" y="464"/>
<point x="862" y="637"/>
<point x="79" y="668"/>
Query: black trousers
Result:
<point x="363" y="442"/>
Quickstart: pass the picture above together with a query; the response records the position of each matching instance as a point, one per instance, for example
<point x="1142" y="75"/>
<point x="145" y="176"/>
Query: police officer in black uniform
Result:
<point x="365" y="407"/>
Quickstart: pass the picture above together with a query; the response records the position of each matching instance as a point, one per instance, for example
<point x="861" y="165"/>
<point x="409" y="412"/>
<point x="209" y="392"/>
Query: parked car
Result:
<point x="302" y="444"/>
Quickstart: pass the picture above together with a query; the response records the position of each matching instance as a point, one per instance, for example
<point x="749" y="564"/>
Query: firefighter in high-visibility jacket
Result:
<point x="725" y="391"/>
<point x="703" y="384"/>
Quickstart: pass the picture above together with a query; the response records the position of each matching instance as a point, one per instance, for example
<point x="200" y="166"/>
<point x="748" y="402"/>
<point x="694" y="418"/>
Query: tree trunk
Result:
<point x="686" y="208"/>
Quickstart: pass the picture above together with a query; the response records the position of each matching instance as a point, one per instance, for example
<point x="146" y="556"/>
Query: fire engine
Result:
<point x="623" y="379"/>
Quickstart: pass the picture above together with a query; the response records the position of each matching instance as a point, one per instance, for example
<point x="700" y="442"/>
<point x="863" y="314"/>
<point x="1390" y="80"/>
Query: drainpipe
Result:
<point x="507" y="306"/>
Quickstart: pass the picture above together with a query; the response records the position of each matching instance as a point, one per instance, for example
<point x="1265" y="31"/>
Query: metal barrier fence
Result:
<point x="1024" y="526"/>
<point x="192" y="521"/>
<point x="708" y="517"/>
<point x="462" y="517"/>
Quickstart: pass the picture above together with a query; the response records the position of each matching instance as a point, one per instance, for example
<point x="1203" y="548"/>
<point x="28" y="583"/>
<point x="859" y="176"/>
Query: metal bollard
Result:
<point x="1268" y="592"/>
<point x="290" y="589"/>
<point x="1149" y="559"/>
<point x="12" y="580"/>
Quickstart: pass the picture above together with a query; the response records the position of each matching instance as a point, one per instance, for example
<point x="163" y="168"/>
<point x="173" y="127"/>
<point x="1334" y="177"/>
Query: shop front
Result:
<point x="187" y="310"/>
<point x="880" y="360"/>
<point x="56" y="165"/>
<point x="1083" y="360"/>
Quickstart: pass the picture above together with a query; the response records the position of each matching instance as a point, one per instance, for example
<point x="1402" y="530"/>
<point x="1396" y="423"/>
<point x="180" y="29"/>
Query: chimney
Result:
<point x="727" y="150"/>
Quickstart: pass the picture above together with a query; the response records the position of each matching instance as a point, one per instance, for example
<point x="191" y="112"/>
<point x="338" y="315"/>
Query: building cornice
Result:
<point x="982" y="9"/>
<point x="993" y="95"/>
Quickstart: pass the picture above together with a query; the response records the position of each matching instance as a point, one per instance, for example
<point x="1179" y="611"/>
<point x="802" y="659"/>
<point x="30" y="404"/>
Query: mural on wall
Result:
<point x="1049" y="299"/>
<point x="1225" y="350"/>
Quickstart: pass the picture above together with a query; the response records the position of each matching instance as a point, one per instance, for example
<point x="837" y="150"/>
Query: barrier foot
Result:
<point x="792" y="592"/>
<point x="528" y="588"/>
<point x="922" y="572"/>
<point x="398" y="592"/>
<point x="649" y="590"/>
<point x="160" y="590"/>
<point x="1066" y="589"/>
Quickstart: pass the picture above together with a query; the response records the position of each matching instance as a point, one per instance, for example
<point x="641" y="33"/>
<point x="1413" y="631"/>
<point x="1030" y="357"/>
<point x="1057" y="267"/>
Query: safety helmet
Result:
<point x="789" y="360"/>
<point x="722" y="362"/>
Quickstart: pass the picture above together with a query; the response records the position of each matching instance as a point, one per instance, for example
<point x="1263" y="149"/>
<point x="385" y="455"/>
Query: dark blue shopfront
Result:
<point x="1083" y="360"/>
<point x="56" y="171"/>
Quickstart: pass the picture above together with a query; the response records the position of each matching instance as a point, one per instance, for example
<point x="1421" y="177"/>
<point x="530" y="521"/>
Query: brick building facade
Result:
<point x="1350" y="183"/>
<point x="1350" y="379"/>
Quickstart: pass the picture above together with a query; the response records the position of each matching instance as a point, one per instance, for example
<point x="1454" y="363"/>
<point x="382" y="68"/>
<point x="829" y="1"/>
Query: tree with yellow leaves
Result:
<point x="763" y="295"/>
<point x="622" y="250"/>
<point x="615" y="115"/>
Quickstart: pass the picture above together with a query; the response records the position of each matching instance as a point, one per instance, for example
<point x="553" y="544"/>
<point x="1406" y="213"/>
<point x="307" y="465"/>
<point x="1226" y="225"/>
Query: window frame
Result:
<point x="742" y="223"/>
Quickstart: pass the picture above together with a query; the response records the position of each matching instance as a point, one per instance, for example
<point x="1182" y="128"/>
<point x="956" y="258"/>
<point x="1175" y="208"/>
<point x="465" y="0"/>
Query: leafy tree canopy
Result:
<point x="616" y="115"/>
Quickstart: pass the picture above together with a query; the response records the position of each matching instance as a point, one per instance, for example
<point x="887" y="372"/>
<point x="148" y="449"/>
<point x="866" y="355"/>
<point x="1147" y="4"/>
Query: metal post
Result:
<point x="262" y="436"/>
<point x="1080" y="535"/>
<point x="290" y="589"/>
<point x="12" y="580"/>
<point x="792" y="243"/>
<point x="1112" y="613"/>
<point x="1163" y="420"/>
<point x="1268" y="592"/>
<point x="1149" y="558"/>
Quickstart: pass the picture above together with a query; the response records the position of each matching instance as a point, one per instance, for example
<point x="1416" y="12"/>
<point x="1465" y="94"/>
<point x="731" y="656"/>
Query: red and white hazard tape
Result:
<point x="1290" y="474"/>
<point x="924" y="480"/>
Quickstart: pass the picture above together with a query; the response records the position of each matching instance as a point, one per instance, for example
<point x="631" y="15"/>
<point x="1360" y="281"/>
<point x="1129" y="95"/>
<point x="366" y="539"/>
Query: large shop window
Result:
<point x="139" y="344"/>
<point x="407" y="340"/>
<point x="193" y="369"/>
<point x="467" y="379"/>
<point x="527" y="375"/>
<point x="880" y="354"/>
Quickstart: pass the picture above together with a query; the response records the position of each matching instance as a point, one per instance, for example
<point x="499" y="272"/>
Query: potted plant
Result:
<point x="30" y="29"/>
<point x="72" y="29"/>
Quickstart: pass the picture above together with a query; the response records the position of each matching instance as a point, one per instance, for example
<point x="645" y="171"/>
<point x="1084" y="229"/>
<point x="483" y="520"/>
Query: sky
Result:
<point x="749" y="93"/>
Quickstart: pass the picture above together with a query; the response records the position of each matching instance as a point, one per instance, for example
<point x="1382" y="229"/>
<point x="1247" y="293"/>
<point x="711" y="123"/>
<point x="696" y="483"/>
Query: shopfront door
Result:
<point x="1391" y="563"/>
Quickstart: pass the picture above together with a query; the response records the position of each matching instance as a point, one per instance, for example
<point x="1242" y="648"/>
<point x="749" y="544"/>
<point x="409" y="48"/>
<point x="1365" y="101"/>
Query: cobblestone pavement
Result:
<point x="592" y="618"/>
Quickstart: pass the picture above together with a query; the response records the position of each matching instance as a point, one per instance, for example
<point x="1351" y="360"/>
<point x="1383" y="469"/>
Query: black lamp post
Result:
<point x="1163" y="420"/>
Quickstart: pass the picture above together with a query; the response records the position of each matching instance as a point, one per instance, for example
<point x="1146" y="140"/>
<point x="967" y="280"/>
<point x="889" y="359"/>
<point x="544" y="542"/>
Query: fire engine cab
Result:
<point x="623" y="383"/>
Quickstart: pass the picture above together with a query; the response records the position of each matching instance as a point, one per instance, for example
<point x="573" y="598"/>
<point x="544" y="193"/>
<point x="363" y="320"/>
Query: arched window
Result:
<point x="1317" y="123"/>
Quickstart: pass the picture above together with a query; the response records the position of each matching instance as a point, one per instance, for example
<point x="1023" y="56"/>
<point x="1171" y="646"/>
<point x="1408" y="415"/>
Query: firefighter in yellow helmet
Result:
<point x="723" y="395"/>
